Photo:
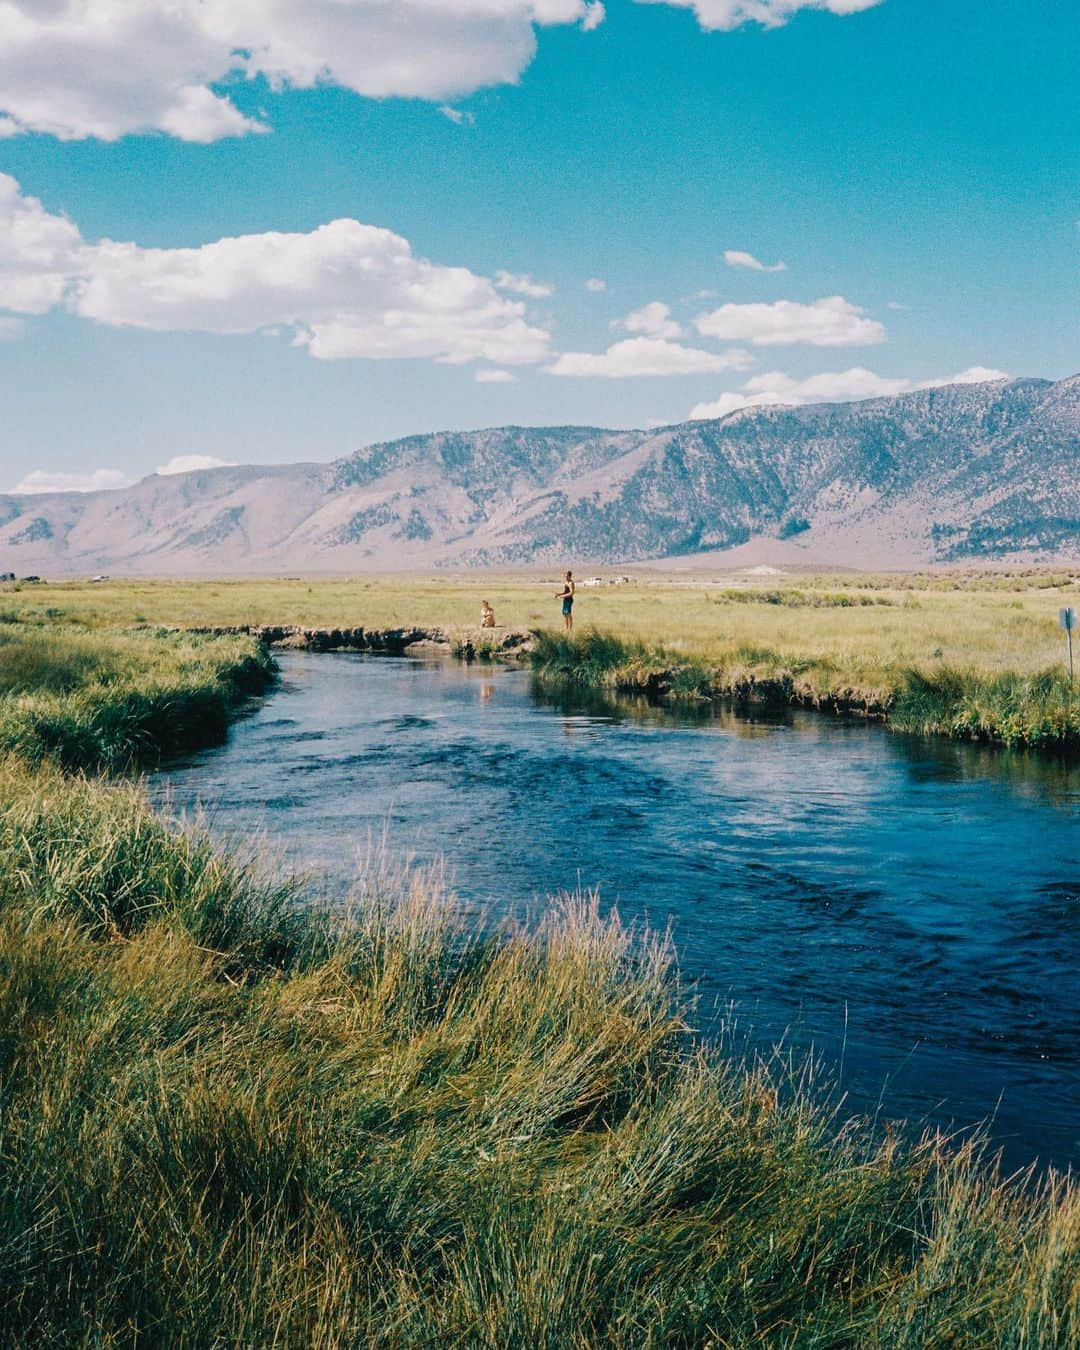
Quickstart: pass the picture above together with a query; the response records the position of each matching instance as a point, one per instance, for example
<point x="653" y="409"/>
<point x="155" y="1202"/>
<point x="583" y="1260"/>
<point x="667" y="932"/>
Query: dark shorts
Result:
<point x="567" y="605"/>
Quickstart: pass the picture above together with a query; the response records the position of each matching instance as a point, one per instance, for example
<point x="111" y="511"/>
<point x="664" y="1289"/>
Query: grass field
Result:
<point x="977" y="655"/>
<point x="228" y="1117"/>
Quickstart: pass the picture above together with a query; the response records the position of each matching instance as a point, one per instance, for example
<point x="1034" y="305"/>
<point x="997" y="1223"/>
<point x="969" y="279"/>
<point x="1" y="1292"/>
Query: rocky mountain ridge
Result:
<point x="958" y="473"/>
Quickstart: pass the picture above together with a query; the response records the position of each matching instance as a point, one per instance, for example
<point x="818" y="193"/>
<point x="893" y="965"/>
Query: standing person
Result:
<point x="566" y="595"/>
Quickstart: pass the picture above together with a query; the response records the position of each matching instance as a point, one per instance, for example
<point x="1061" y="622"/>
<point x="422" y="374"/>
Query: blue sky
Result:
<point x="913" y="164"/>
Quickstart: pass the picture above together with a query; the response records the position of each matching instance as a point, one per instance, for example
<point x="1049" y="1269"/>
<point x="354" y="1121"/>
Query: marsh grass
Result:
<point x="231" y="1116"/>
<point x="227" y="1119"/>
<point x="1039" y="710"/>
<point x="975" y="654"/>
<point x="109" y="699"/>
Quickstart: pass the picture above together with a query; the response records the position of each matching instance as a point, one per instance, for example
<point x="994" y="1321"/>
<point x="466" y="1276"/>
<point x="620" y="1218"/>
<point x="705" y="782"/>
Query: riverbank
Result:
<point x="228" y="1115"/>
<point x="113" y="700"/>
<point x="975" y="655"/>
<point x="1039" y="711"/>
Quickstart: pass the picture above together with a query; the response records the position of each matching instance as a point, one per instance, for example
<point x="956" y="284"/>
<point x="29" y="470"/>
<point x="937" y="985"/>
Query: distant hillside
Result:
<point x="964" y="472"/>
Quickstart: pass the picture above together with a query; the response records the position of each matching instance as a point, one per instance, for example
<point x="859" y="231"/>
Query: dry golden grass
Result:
<point x="990" y="621"/>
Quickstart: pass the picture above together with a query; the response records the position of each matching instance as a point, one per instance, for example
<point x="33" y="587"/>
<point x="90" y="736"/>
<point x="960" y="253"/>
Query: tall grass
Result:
<point x="229" y="1116"/>
<point x="848" y="642"/>
<point x="1039" y="710"/>
<point x="225" y="1119"/>
<point x="112" y="699"/>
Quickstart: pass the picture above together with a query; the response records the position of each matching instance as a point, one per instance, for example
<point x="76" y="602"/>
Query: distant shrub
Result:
<point x="797" y="599"/>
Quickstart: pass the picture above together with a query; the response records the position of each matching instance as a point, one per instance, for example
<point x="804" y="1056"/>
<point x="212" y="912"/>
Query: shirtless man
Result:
<point x="566" y="595"/>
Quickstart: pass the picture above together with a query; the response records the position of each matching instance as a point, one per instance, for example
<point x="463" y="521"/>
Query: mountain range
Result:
<point x="960" y="473"/>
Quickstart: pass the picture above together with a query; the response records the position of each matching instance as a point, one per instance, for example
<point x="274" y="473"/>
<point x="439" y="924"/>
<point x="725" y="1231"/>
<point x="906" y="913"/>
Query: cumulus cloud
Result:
<point x="105" y="68"/>
<point x="523" y="285"/>
<point x="653" y="319"/>
<point x="42" y="480"/>
<point x="729" y="403"/>
<point x="841" y="386"/>
<point x="830" y="322"/>
<point x="647" y="356"/>
<point x="973" y="375"/>
<point x="37" y="252"/>
<point x="595" y="285"/>
<point x="495" y="377"/>
<point x="192" y="464"/>
<point x="728" y="14"/>
<point x="342" y="290"/>
<point x="736" y="258"/>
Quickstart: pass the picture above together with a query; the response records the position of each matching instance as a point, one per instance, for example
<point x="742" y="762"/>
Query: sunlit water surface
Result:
<point x="908" y="909"/>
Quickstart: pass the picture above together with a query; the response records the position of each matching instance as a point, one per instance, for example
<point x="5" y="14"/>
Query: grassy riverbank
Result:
<point x="976" y="655"/>
<point x="107" y="699"/>
<point x="227" y="1117"/>
<point x="227" y="1120"/>
<point x="1040" y="710"/>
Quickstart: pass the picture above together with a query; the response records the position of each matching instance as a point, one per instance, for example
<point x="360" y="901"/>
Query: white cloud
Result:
<point x="37" y="252"/>
<point x="495" y="377"/>
<point x="831" y="322"/>
<point x="646" y="356"/>
<point x="41" y="480"/>
<point x="736" y="258"/>
<point x="105" y="68"/>
<point x="653" y="319"/>
<point x="595" y="285"/>
<point x="458" y="116"/>
<point x="841" y="386"/>
<point x="523" y="285"/>
<point x="192" y="464"/>
<point x="896" y="305"/>
<point x="728" y="14"/>
<point x="594" y="16"/>
<point x="728" y="403"/>
<point x="973" y="375"/>
<point x="343" y="290"/>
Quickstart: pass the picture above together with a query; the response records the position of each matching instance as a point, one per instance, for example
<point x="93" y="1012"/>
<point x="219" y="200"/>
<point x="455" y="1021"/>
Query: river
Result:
<point x="908" y="910"/>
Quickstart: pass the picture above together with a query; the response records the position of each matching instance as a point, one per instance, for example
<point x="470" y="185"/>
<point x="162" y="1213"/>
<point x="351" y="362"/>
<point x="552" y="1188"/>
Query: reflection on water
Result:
<point x="911" y="907"/>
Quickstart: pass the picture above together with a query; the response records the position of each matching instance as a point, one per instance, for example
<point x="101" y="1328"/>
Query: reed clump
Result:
<point x="226" y="1118"/>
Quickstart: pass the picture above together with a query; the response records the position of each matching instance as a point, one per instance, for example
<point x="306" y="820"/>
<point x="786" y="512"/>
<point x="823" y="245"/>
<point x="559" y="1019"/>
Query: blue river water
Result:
<point x="906" y="910"/>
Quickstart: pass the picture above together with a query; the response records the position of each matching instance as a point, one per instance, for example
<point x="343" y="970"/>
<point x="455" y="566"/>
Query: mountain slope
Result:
<point x="960" y="472"/>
